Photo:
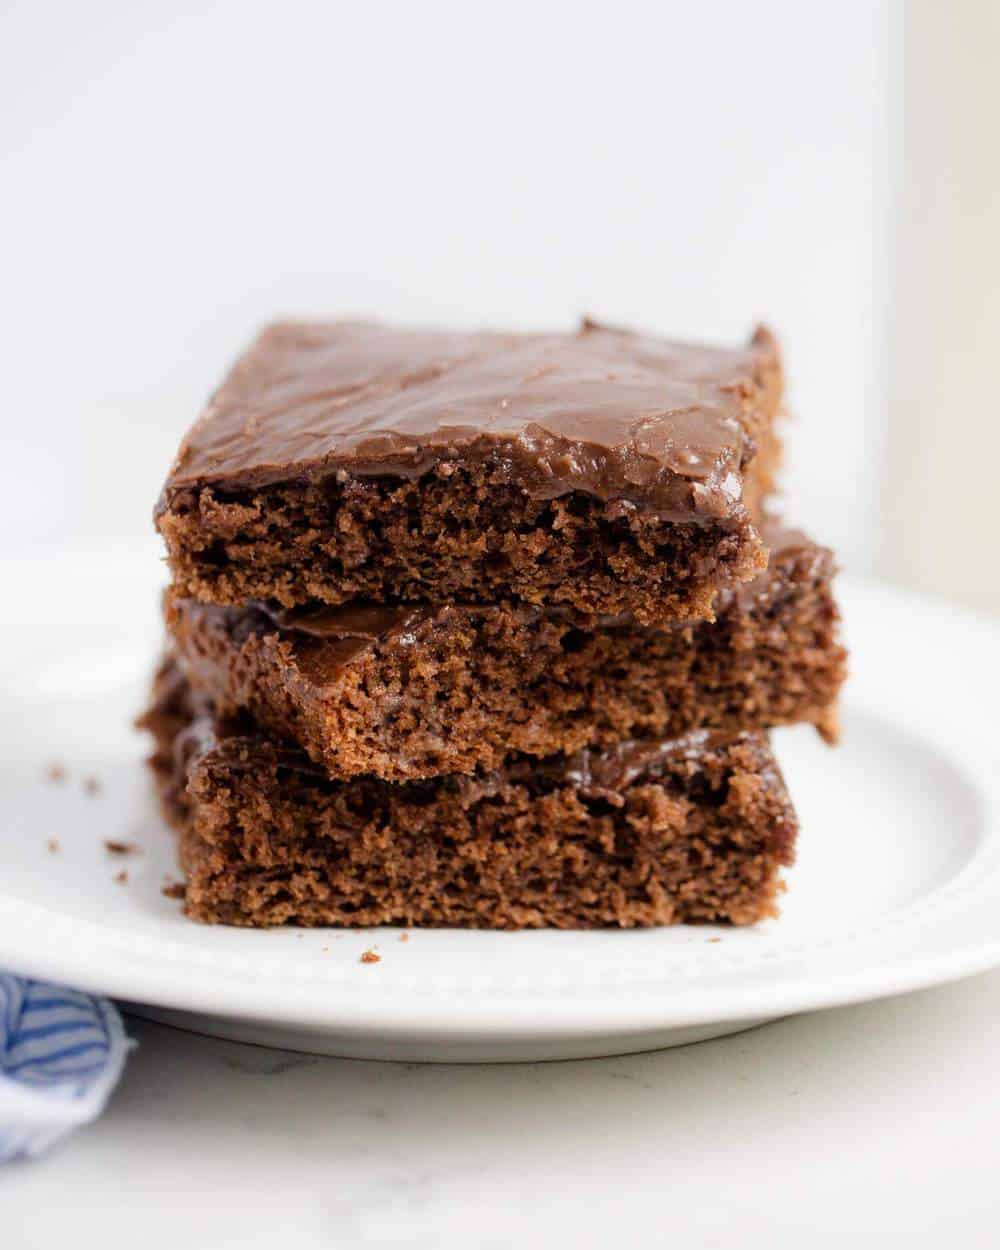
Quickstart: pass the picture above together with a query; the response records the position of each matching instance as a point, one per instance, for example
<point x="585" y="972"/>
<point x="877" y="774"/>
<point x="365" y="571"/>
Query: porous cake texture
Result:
<point x="409" y="691"/>
<point x="655" y="832"/>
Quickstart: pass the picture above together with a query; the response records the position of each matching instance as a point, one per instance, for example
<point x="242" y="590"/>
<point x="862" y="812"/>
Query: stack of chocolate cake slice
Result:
<point x="486" y="630"/>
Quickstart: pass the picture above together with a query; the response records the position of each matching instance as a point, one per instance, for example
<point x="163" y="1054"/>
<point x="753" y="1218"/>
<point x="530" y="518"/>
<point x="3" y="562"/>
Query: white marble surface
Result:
<point x="874" y="1125"/>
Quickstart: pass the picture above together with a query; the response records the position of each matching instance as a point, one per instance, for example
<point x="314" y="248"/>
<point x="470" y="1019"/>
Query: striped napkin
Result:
<point x="61" y="1054"/>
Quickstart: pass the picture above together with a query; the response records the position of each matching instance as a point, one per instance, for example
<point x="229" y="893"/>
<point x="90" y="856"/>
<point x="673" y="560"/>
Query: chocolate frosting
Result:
<point x="615" y="414"/>
<point x="605" y="774"/>
<point x="359" y="619"/>
<point x="335" y="635"/>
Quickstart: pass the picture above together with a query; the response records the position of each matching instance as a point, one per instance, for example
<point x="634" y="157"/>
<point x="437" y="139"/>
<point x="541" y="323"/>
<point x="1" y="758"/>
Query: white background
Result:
<point x="174" y="174"/>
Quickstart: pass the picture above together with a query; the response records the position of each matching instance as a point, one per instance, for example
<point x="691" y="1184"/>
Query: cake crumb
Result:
<point x="92" y="786"/>
<point x="120" y="848"/>
<point x="711" y="940"/>
<point x="174" y="889"/>
<point x="122" y="877"/>
<point x="404" y="937"/>
<point x="52" y="846"/>
<point x="56" y="772"/>
<point x="370" y="957"/>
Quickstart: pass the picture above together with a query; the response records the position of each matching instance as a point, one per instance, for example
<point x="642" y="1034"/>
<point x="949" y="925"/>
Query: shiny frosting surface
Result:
<point x="605" y="773"/>
<point x="610" y="412"/>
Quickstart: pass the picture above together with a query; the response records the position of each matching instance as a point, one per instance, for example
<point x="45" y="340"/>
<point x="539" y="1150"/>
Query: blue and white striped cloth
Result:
<point x="61" y="1054"/>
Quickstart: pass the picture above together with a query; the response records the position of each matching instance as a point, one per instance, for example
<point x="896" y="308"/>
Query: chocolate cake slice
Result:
<point x="405" y="692"/>
<point x="604" y="471"/>
<point x="657" y="832"/>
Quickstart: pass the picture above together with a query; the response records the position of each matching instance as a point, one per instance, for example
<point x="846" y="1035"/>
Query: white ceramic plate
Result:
<point x="897" y="884"/>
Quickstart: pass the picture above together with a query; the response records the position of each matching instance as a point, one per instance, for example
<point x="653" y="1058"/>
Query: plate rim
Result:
<point x="604" y="1010"/>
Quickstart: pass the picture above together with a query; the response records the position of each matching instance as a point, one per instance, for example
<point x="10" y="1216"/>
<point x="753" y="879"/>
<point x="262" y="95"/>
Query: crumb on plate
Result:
<point x="120" y="848"/>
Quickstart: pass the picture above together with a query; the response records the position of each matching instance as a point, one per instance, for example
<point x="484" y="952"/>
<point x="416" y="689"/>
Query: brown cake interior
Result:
<point x="470" y="537"/>
<point x="651" y="833"/>
<point x="412" y="692"/>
